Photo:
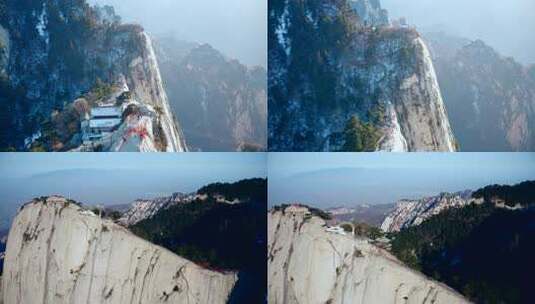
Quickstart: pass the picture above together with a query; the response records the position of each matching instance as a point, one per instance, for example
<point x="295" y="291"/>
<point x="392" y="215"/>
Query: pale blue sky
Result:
<point x="332" y="179"/>
<point x="238" y="28"/>
<point x="114" y="178"/>
<point x="506" y="25"/>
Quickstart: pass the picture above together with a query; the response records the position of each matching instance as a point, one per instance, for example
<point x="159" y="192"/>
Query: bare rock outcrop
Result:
<point x="307" y="264"/>
<point x="58" y="252"/>
<point x="413" y="212"/>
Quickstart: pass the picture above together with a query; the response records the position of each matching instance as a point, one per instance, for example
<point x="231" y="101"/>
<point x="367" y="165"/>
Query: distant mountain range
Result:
<point x="490" y="98"/>
<point x="221" y="103"/>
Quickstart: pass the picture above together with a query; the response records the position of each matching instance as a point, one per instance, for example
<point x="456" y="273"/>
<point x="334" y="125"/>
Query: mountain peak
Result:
<point x="100" y="262"/>
<point x="311" y="263"/>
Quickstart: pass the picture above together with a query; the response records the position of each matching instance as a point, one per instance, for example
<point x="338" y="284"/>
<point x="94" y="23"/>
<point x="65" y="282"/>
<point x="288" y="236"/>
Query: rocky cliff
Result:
<point x="145" y="208"/>
<point x="306" y="264"/>
<point x="490" y="98"/>
<point x="338" y="82"/>
<point x="221" y="104"/>
<point x="57" y="252"/>
<point x="413" y="212"/>
<point x="53" y="52"/>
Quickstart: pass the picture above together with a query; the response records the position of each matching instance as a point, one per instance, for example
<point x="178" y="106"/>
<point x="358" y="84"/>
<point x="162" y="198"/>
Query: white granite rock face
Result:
<point x="423" y="117"/>
<point x="147" y="83"/>
<point x="58" y="252"/>
<point x="306" y="264"/>
<point x="413" y="212"/>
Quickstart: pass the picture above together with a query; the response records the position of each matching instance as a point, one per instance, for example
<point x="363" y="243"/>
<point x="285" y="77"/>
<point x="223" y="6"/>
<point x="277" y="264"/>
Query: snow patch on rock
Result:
<point x="282" y="30"/>
<point x="393" y="139"/>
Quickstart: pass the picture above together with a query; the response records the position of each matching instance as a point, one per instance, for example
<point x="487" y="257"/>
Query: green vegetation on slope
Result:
<point x="523" y="193"/>
<point x="216" y="235"/>
<point x="484" y="252"/>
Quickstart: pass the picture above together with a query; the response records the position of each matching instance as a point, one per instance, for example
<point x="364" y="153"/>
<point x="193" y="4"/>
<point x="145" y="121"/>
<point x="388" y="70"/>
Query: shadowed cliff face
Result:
<point x="307" y="264"/>
<point x="57" y="51"/>
<point x="335" y="78"/>
<point x="490" y="98"/>
<point x="58" y="252"/>
<point x="221" y="103"/>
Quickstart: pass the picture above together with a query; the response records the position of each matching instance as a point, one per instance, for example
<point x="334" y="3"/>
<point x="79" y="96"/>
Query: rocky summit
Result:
<point x="343" y="78"/>
<point x="59" y="252"/>
<point x="413" y="212"/>
<point x="308" y="264"/>
<point x="53" y="53"/>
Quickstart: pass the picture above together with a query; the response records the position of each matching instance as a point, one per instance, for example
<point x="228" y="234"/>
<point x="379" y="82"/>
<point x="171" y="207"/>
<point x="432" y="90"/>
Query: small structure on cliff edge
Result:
<point x="102" y="121"/>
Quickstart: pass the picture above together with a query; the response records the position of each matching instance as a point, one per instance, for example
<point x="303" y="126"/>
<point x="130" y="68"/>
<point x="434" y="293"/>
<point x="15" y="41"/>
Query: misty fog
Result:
<point x="507" y="26"/>
<point x="237" y="28"/>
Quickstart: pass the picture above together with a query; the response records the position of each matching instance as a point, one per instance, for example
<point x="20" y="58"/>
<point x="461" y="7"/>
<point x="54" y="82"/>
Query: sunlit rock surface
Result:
<point x="306" y="264"/>
<point x="328" y="65"/>
<point x="57" y="252"/>
<point x="413" y="212"/>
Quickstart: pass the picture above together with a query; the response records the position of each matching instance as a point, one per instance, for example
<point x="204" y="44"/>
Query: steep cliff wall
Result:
<point x="306" y="264"/>
<point x="58" y="51"/>
<point x="335" y="79"/>
<point x="58" y="252"/>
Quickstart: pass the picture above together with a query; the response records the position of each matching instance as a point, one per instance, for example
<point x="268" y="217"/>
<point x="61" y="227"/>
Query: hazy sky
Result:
<point x="334" y="179"/>
<point x="238" y="28"/>
<point x="113" y="178"/>
<point x="506" y="25"/>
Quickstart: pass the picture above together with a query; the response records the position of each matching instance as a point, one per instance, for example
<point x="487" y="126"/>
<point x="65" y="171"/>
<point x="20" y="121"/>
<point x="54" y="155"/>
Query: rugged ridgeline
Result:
<point x="244" y="191"/>
<point x="57" y="252"/>
<point x="221" y="226"/>
<point x="53" y="52"/>
<point x="413" y="212"/>
<point x="342" y="78"/>
<point x="306" y="264"/>
<point x="485" y="251"/>
<point x="221" y="104"/>
<point x="490" y="98"/>
<point x="146" y="208"/>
